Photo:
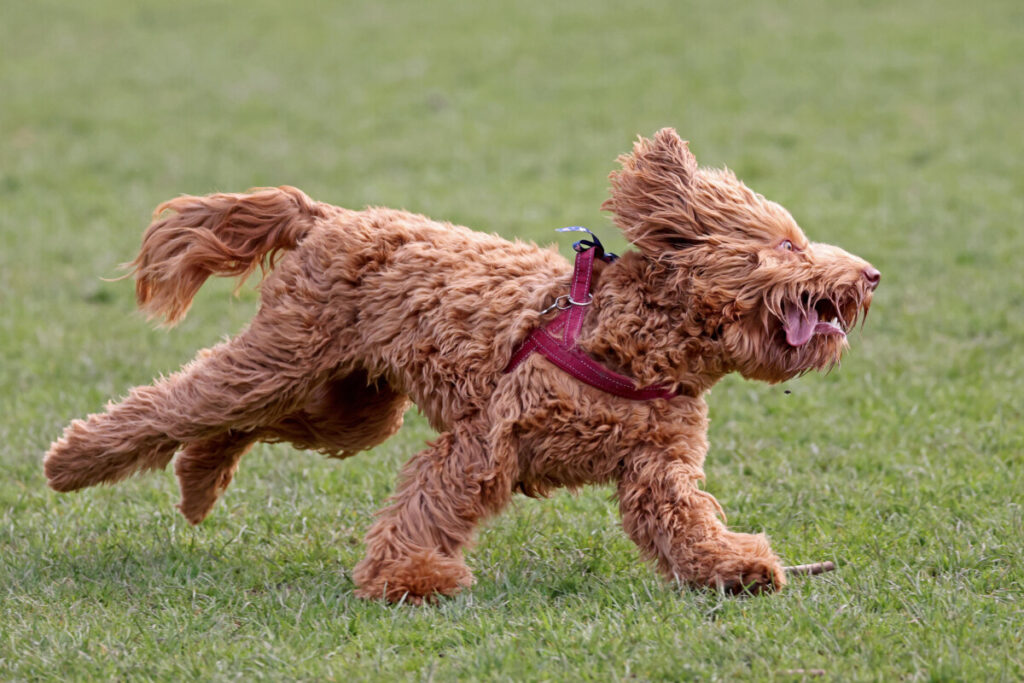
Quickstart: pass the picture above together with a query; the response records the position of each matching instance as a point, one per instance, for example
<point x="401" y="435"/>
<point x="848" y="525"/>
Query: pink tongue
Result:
<point x="799" y="324"/>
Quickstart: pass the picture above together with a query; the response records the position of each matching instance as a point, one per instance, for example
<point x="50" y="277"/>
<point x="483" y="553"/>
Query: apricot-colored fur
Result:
<point x="363" y="311"/>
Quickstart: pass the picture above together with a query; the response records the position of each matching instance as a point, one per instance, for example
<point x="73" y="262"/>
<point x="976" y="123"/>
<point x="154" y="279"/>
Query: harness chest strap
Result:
<point x="556" y="340"/>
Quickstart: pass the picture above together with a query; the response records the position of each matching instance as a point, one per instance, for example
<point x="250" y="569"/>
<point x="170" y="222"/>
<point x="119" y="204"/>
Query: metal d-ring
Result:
<point x="580" y="303"/>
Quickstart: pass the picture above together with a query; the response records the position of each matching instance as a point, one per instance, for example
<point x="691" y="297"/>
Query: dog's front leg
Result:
<point x="414" y="549"/>
<point x="677" y="524"/>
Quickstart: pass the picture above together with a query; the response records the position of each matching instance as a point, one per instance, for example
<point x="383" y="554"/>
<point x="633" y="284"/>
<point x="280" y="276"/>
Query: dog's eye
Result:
<point x="786" y="245"/>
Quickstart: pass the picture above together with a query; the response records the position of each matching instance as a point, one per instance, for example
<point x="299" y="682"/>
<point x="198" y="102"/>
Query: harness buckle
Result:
<point x="565" y="302"/>
<point x="562" y="303"/>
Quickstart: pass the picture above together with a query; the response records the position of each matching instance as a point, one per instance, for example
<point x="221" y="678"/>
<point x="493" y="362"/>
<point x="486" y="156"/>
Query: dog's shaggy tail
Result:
<point x="219" y="234"/>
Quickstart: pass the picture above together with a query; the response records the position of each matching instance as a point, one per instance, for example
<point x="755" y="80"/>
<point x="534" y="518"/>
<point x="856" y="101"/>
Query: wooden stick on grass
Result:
<point x="810" y="569"/>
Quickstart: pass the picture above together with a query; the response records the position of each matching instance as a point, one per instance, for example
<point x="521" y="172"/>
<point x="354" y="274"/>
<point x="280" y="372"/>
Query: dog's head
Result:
<point x="775" y="303"/>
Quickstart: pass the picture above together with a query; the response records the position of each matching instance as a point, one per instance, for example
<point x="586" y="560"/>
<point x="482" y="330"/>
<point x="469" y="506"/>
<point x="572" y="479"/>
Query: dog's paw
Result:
<point x="417" y="578"/>
<point x="742" y="564"/>
<point x="759" y="577"/>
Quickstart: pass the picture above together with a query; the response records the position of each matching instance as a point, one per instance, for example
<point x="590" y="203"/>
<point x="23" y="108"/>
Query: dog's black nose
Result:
<point x="873" y="276"/>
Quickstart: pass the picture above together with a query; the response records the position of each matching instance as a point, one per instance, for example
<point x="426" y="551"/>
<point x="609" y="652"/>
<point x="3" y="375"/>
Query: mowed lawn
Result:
<point x="892" y="129"/>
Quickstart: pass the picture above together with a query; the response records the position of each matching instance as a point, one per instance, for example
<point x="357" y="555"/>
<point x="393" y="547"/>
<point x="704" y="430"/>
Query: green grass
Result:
<point x="892" y="129"/>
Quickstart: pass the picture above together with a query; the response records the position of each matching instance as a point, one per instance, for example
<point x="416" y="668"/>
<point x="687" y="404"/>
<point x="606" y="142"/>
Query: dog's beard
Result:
<point x="792" y="335"/>
<point x="811" y="329"/>
<point x="822" y="351"/>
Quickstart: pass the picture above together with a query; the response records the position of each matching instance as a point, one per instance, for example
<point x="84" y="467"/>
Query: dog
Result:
<point x="363" y="312"/>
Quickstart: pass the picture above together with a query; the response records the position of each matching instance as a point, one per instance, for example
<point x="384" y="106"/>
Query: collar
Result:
<point x="557" y="340"/>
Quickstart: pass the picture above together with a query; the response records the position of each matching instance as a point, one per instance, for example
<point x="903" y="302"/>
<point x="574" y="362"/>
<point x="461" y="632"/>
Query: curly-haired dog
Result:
<point x="364" y="311"/>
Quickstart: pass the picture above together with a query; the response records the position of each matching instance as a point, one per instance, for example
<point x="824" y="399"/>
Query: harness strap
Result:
<point x="556" y="340"/>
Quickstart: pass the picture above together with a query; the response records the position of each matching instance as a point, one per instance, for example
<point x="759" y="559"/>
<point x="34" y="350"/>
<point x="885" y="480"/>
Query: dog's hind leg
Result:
<point x="205" y="469"/>
<point x="243" y="384"/>
<point x="414" y="549"/>
<point x="339" y="418"/>
<point x="108" y="447"/>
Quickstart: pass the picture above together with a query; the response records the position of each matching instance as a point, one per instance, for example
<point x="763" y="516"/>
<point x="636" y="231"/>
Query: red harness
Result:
<point x="556" y="340"/>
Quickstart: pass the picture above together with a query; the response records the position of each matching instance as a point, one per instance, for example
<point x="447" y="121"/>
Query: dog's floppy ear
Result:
<point x="650" y="195"/>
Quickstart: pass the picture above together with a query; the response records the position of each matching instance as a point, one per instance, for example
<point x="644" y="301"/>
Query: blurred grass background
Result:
<point x="891" y="129"/>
